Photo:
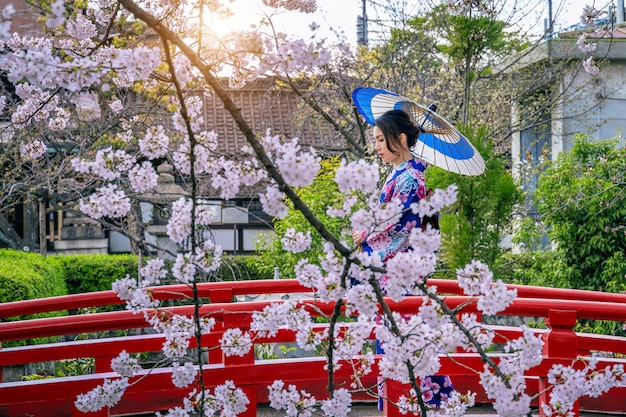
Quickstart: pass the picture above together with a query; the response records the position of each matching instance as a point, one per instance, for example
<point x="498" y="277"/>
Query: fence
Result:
<point x="232" y="305"/>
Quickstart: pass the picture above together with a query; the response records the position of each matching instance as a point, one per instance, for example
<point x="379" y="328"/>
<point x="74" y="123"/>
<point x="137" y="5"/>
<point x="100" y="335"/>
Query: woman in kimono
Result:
<point x="394" y="136"/>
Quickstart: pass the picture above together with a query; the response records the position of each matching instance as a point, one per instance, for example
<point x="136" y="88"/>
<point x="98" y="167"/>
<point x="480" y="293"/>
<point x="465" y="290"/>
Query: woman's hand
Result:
<point x="357" y="236"/>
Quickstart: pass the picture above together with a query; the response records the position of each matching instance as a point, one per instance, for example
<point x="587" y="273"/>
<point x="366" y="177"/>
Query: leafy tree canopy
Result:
<point x="581" y="201"/>
<point x="474" y="227"/>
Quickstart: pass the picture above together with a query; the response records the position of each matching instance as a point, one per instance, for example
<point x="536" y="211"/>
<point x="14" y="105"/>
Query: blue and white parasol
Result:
<point x="441" y="145"/>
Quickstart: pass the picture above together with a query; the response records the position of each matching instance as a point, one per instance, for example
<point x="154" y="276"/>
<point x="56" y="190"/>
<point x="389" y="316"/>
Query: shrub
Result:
<point x="25" y="276"/>
<point x="89" y="273"/>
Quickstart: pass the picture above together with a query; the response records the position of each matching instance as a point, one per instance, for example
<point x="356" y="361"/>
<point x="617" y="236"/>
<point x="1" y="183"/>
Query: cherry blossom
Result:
<point x="5" y="21"/>
<point x="107" y="201"/>
<point x="357" y="176"/>
<point x="154" y="144"/>
<point x="295" y="403"/>
<point x="227" y="400"/>
<point x="153" y="272"/>
<point x="273" y="202"/>
<point x="235" y="342"/>
<point x="125" y="365"/>
<point x="143" y="177"/>
<point x="33" y="150"/>
<point x="185" y="375"/>
<point x="298" y="168"/>
<point x="296" y="242"/>
<point x="106" y="395"/>
<point x="590" y="66"/>
<point x="339" y="405"/>
<point x="583" y="45"/>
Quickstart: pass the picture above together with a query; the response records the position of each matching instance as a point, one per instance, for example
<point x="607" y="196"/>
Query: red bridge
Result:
<point x="55" y="396"/>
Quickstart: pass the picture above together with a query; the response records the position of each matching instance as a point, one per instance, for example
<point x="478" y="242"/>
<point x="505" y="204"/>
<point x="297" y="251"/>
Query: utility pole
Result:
<point x="550" y="30"/>
<point x="361" y="26"/>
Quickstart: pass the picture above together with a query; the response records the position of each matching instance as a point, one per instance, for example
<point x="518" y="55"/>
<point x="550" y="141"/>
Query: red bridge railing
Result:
<point x="560" y="308"/>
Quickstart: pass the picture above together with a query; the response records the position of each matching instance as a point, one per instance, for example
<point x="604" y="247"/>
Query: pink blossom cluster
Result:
<point x="339" y="405"/>
<point x="441" y="198"/>
<point x="33" y="151"/>
<point x="81" y="27"/>
<point x="296" y="242"/>
<point x="477" y="279"/>
<point x="350" y="339"/>
<point x="298" y="168"/>
<point x="304" y="6"/>
<point x="143" y="178"/>
<point x="590" y="66"/>
<point x="154" y="143"/>
<point x="225" y="174"/>
<point x="509" y="397"/>
<point x="105" y="395"/>
<point x="125" y="365"/>
<point x="361" y="300"/>
<point x="116" y="106"/>
<point x="294" y="403"/>
<point x="5" y="21"/>
<point x="407" y="270"/>
<point x="36" y="105"/>
<point x="108" y="164"/>
<point x="134" y="64"/>
<point x="178" y="331"/>
<point x="137" y="296"/>
<point x="417" y="344"/>
<point x="179" y="224"/>
<point x="184" y="375"/>
<point x="273" y="202"/>
<point x="294" y="56"/>
<point x="570" y="384"/>
<point x="56" y="18"/>
<point x="357" y="176"/>
<point x="588" y="15"/>
<point x="235" y="342"/>
<point x="152" y="273"/>
<point x="583" y="45"/>
<point x="227" y="400"/>
<point x="107" y="201"/>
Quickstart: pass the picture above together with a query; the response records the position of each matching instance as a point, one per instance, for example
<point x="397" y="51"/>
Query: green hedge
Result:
<point x="90" y="273"/>
<point x="25" y="276"/>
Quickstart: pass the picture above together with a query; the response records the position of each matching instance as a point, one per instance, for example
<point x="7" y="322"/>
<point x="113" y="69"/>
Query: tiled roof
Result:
<point x="265" y="106"/>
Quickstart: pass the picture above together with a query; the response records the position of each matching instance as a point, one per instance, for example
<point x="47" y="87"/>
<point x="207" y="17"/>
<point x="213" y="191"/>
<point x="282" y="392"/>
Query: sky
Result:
<point x="342" y="16"/>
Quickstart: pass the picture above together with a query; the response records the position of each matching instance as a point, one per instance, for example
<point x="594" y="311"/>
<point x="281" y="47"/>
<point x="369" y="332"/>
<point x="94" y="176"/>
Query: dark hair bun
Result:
<point x="395" y="122"/>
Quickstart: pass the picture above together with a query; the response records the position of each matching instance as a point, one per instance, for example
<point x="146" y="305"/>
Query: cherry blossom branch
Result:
<point x="192" y="162"/>
<point x="452" y="316"/>
<point x="238" y="118"/>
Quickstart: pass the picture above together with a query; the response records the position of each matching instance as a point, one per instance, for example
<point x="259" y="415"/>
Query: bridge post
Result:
<point x="560" y="343"/>
<point x="242" y="321"/>
<point x="219" y="295"/>
<point x="392" y="390"/>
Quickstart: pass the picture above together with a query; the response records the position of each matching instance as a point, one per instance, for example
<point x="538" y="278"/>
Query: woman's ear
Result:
<point x="403" y="139"/>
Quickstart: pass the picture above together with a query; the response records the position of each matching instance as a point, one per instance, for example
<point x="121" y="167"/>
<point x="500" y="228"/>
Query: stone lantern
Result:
<point x="156" y="209"/>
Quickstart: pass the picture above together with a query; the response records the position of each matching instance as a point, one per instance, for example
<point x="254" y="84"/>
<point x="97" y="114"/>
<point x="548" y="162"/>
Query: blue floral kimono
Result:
<point x="407" y="184"/>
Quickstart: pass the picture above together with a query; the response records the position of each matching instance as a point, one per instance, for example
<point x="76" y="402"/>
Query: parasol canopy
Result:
<point x="441" y="145"/>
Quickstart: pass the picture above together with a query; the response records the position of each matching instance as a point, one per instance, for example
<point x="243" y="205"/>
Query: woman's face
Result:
<point x="380" y="146"/>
